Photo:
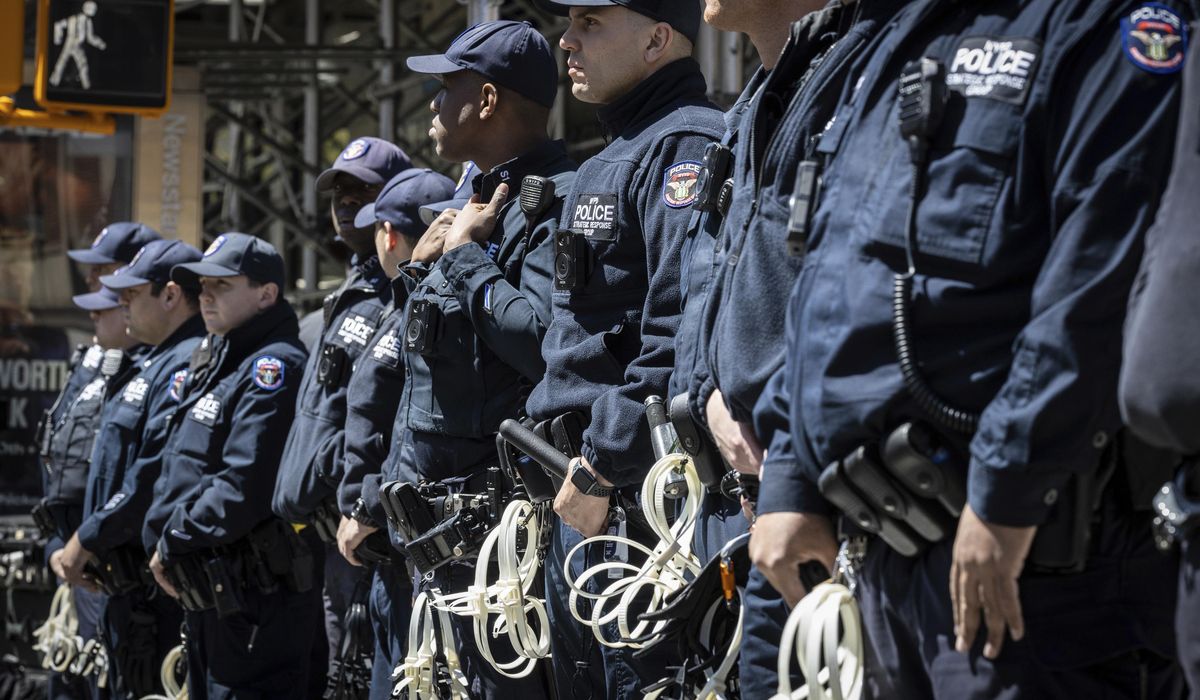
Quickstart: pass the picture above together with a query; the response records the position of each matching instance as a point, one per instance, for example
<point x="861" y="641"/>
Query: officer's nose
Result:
<point x="567" y="42"/>
<point x="435" y="105"/>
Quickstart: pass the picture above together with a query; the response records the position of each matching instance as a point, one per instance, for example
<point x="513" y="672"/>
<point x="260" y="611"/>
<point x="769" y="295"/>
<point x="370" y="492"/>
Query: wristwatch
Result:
<point x="586" y="482"/>
<point x="361" y="513"/>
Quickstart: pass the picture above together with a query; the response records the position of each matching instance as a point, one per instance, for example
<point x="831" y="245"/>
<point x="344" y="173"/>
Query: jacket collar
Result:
<point x="538" y="161"/>
<point x="679" y="81"/>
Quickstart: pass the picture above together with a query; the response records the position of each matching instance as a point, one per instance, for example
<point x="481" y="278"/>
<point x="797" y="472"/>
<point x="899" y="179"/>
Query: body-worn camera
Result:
<point x="802" y="204"/>
<point x="332" y="369"/>
<point x="570" y="260"/>
<point x="715" y="187"/>
<point x="424" y="323"/>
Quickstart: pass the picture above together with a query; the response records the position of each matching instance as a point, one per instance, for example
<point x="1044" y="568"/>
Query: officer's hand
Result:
<point x="781" y="542"/>
<point x="476" y="222"/>
<point x="983" y="581"/>
<point x="350" y="534"/>
<point x="429" y="247"/>
<point x="587" y="514"/>
<point x="73" y="557"/>
<point x="160" y="575"/>
<point x="736" y="441"/>
<point x="56" y="565"/>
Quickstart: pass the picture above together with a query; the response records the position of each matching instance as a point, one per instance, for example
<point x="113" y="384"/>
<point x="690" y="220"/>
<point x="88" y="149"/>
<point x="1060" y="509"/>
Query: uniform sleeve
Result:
<point x="1160" y="389"/>
<point x="785" y="485"/>
<point x="617" y="442"/>
<point x="234" y="500"/>
<point x="1057" y="408"/>
<point x="120" y="519"/>
<point x="511" y="320"/>
<point x="371" y="403"/>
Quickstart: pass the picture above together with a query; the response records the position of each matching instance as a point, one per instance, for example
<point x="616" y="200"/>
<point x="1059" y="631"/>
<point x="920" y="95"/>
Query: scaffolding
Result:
<point x="288" y="83"/>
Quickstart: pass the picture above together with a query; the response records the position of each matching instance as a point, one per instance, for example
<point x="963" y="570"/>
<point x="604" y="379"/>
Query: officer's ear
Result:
<point x="489" y="98"/>
<point x="391" y="234"/>
<point x="268" y="294"/>
<point x="662" y="43"/>
<point x="171" y="294"/>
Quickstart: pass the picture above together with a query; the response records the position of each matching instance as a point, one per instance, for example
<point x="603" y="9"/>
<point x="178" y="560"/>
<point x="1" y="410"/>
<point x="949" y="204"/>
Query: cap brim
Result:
<point x="96" y="301"/>
<point x="433" y="64"/>
<point x="365" y="218"/>
<point x="325" y="179"/>
<point x="123" y="281"/>
<point x="87" y="256"/>
<point x="429" y="212"/>
<point x="186" y="273"/>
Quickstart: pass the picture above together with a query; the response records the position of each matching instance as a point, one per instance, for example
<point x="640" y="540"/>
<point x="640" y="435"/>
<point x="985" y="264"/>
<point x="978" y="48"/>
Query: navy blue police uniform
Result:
<point x="744" y="338"/>
<point x="1029" y="212"/>
<point x="612" y="339"/>
<point x="1160" y="399"/>
<point x="472" y="367"/>
<point x="314" y="452"/>
<point x="141" y="625"/>
<point x="249" y="583"/>
<point x="372" y="402"/>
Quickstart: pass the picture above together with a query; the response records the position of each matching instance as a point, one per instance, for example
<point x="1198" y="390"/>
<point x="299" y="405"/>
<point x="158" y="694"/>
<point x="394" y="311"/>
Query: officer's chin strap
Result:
<point x="63" y="650"/>
<point x="509" y="598"/>
<point x="419" y="674"/>
<point x="668" y="567"/>
<point x="825" y="630"/>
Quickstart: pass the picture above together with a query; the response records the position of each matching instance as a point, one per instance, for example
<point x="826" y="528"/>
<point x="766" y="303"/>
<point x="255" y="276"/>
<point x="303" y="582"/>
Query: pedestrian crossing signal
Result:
<point x="110" y="56"/>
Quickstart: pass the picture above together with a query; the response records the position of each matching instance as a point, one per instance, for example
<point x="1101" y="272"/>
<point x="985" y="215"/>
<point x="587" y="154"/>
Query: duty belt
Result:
<point x="121" y="570"/>
<point x="271" y="557"/>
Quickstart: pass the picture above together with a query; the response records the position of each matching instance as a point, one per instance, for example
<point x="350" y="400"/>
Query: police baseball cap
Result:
<point x="401" y="199"/>
<point x="102" y="300"/>
<point x="233" y="254"/>
<point x="430" y="212"/>
<point x="372" y="160"/>
<point x="151" y="265"/>
<point x="462" y="194"/>
<point x="511" y="54"/>
<point x="117" y="243"/>
<point x="683" y="15"/>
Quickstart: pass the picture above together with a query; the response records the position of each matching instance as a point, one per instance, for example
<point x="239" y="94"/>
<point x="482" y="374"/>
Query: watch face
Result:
<point x="582" y="479"/>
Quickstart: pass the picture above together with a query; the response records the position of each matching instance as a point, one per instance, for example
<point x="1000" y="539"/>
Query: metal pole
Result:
<point x="482" y="11"/>
<point x="232" y="198"/>
<point x="731" y="62"/>
<point x="387" y="69"/>
<point x="312" y="146"/>
<point x="708" y="51"/>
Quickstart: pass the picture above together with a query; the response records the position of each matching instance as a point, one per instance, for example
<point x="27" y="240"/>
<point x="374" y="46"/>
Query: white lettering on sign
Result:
<point x="21" y="374"/>
<point x="175" y="128"/>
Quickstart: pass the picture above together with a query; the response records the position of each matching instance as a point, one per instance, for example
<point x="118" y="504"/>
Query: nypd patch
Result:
<point x="356" y="149"/>
<point x="93" y="356"/>
<point x="355" y="330"/>
<point x="595" y="216"/>
<point x="679" y="184"/>
<point x="178" y="381"/>
<point x="215" y="246"/>
<point x="998" y="68"/>
<point x="1154" y="38"/>
<point x="268" y="372"/>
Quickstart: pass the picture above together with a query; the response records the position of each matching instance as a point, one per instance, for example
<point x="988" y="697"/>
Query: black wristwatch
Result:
<point x="586" y="482"/>
<point x="361" y="513"/>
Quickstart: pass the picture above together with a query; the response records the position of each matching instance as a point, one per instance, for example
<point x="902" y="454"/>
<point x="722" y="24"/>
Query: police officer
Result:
<point x="372" y="400"/>
<point x="616" y="306"/>
<point x="1158" y="389"/>
<point x="953" y="328"/>
<point x="789" y="103"/>
<point x="114" y="246"/>
<point x="66" y="455"/>
<point x="477" y="314"/>
<point x="313" y="453"/>
<point x="141" y="625"/>
<point x="248" y="582"/>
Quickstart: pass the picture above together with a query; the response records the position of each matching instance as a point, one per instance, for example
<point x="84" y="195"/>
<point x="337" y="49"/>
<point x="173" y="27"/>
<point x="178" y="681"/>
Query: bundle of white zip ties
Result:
<point x="429" y="633"/>
<point x="173" y="687"/>
<point x="63" y="650"/>
<point x="517" y="614"/>
<point x="668" y="567"/>
<point x="825" y="630"/>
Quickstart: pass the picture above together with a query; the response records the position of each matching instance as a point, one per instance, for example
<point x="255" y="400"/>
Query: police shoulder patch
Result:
<point x="357" y="149"/>
<point x="178" y="380"/>
<point x="679" y="184"/>
<point x="1154" y="38"/>
<point x="268" y="372"/>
